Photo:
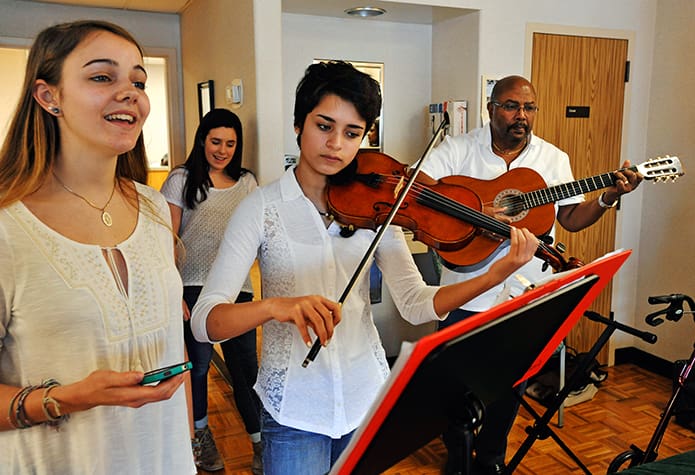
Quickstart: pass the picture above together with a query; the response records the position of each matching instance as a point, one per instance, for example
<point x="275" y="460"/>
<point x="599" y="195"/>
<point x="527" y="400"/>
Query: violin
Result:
<point x="444" y="215"/>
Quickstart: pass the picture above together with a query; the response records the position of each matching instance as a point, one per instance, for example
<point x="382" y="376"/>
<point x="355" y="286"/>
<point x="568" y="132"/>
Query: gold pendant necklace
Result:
<point x="105" y="215"/>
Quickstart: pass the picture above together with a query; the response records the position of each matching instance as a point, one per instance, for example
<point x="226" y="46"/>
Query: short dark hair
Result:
<point x="345" y="81"/>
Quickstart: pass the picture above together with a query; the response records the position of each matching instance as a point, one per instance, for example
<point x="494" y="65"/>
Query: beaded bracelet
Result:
<point x="10" y="420"/>
<point x="53" y="421"/>
<point x="20" y="415"/>
<point x="21" y="420"/>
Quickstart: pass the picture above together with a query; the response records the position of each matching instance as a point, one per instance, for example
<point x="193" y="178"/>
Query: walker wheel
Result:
<point x="619" y="463"/>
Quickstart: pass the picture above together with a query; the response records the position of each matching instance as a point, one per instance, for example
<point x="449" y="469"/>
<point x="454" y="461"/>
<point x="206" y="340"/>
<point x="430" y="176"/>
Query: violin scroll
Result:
<point x="553" y="257"/>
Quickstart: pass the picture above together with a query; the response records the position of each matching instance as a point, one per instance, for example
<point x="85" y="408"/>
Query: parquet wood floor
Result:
<point x="624" y="411"/>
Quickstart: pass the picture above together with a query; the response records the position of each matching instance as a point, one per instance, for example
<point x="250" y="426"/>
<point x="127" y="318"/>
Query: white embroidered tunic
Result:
<point x="63" y="315"/>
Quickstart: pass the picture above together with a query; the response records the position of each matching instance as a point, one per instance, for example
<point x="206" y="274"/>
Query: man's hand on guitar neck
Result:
<point x="625" y="181"/>
<point x="577" y="217"/>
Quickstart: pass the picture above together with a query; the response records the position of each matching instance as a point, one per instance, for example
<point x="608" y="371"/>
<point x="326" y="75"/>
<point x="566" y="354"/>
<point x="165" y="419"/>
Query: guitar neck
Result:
<point x="567" y="190"/>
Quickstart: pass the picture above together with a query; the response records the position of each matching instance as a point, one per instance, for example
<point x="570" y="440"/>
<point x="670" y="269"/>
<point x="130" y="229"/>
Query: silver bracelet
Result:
<point x="603" y="204"/>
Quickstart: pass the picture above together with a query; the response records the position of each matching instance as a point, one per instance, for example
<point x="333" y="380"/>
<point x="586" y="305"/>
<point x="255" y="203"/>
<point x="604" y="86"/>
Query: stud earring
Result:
<point x="55" y="110"/>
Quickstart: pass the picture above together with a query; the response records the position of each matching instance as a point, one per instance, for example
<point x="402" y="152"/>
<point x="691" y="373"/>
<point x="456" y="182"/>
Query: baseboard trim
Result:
<point x="644" y="360"/>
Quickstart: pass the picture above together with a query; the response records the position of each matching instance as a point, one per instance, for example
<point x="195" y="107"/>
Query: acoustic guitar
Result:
<point x="529" y="203"/>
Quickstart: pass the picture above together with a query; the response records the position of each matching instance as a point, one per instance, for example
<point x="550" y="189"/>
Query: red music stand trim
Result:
<point x="569" y="294"/>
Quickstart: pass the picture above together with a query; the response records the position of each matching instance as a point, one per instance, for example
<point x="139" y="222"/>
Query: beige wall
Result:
<point x="457" y="63"/>
<point x="217" y="42"/>
<point x="13" y="61"/>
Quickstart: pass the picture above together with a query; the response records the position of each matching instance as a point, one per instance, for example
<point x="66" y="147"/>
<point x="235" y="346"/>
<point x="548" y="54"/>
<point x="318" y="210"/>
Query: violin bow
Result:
<point x="377" y="239"/>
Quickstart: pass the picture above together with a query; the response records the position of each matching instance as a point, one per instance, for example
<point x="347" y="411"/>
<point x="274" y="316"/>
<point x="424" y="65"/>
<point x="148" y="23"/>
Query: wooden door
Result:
<point x="571" y="72"/>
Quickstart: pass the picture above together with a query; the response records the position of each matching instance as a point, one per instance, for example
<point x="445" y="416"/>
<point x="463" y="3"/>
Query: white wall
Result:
<point x="454" y="63"/>
<point x="21" y="19"/>
<point x="666" y="261"/>
<point x="405" y="50"/>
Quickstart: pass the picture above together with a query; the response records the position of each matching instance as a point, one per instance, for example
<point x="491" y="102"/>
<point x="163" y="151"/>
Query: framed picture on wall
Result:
<point x="488" y="82"/>
<point x="206" y="97"/>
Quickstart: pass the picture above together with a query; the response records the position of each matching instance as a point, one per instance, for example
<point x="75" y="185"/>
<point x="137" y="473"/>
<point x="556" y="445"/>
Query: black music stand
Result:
<point x="476" y="360"/>
<point x="540" y="428"/>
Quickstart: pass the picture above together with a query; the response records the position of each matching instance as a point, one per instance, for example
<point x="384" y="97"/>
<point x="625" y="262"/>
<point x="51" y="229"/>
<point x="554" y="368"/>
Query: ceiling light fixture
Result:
<point x="365" y="12"/>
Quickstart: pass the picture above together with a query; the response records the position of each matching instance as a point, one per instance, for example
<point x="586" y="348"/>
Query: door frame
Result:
<point x="177" y="149"/>
<point x="618" y="340"/>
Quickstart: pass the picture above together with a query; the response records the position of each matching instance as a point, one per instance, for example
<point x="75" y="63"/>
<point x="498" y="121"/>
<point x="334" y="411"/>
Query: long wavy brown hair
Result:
<point x="32" y="143"/>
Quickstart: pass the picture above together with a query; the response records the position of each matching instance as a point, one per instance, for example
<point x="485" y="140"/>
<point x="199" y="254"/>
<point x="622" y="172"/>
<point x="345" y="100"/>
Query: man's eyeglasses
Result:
<point x="515" y="106"/>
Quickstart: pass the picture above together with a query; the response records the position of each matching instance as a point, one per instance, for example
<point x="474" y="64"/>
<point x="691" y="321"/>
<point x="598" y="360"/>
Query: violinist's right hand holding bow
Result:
<point x="315" y="311"/>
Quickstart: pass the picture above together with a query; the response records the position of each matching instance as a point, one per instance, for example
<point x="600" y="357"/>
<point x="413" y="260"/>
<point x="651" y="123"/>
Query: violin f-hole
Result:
<point x="372" y="180"/>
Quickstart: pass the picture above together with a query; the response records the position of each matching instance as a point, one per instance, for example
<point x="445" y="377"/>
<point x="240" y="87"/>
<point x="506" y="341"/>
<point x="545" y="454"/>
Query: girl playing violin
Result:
<point x="310" y="413"/>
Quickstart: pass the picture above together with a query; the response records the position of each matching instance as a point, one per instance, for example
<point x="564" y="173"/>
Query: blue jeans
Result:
<point x="199" y="354"/>
<point x="292" y="451"/>
<point x="241" y="361"/>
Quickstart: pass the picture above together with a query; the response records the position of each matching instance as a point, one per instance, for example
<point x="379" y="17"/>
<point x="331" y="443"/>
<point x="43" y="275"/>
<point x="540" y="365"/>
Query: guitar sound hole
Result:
<point x="513" y="203"/>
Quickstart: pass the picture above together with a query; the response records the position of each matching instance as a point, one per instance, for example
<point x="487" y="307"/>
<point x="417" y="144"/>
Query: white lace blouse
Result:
<point x="202" y="228"/>
<point x="299" y="256"/>
<point x="64" y="315"/>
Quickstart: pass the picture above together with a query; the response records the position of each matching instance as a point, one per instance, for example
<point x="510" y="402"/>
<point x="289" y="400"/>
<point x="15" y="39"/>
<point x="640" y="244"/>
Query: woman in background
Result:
<point x="90" y="297"/>
<point x="202" y="195"/>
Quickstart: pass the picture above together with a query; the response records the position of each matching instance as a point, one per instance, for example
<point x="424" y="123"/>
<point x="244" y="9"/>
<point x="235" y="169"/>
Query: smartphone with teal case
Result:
<point x="161" y="374"/>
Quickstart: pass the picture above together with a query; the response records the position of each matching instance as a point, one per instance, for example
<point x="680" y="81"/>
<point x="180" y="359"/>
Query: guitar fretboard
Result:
<point x="567" y="190"/>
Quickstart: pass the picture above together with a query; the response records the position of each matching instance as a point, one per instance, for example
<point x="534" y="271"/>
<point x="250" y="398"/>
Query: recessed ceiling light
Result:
<point x="365" y="12"/>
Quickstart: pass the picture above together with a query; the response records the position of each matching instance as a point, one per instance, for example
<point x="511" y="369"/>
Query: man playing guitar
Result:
<point x="507" y="143"/>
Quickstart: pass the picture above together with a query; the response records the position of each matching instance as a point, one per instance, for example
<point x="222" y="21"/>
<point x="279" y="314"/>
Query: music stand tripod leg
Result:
<point x="542" y="433"/>
<point x="541" y="429"/>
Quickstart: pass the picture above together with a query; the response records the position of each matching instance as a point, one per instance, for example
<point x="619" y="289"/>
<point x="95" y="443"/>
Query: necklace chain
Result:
<point x="105" y="215"/>
<point x="510" y="152"/>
